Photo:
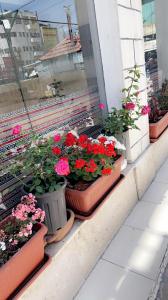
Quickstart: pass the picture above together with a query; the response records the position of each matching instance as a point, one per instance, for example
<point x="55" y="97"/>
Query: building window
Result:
<point x="13" y="34"/>
<point x="25" y="20"/>
<point x="18" y="20"/>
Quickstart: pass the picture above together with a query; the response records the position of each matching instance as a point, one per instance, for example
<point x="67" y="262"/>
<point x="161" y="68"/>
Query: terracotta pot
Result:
<point x="22" y="263"/>
<point x="61" y="233"/>
<point x="85" y="201"/>
<point x="155" y="129"/>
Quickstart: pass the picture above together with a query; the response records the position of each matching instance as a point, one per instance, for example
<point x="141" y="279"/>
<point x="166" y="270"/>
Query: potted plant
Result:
<point x="119" y="122"/>
<point x="21" y="244"/>
<point x="95" y="166"/>
<point x="37" y="160"/>
<point x="158" y="117"/>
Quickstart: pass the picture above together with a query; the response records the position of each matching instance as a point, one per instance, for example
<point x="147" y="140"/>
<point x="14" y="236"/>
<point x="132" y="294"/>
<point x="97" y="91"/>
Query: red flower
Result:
<point x="89" y="148"/>
<point x="110" y="150"/>
<point x="80" y="163"/>
<point x="65" y="158"/>
<point x="70" y="140"/>
<point x="129" y="106"/>
<point x="106" y="171"/>
<point x="83" y="140"/>
<point x="56" y="151"/>
<point x="91" y="166"/>
<point x="145" y="110"/>
<point x="102" y="139"/>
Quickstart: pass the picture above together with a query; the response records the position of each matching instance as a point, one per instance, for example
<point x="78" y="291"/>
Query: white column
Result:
<point x="106" y="12"/>
<point x="120" y="32"/>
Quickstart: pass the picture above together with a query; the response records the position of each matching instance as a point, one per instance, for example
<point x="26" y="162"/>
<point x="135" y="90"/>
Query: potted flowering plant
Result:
<point x="21" y="244"/>
<point x="158" y="117"/>
<point x="37" y="160"/>
<point x="120" y="122"/>
<point x="95" y="166"/>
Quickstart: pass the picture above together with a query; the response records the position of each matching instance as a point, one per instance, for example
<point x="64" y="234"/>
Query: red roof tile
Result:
<point x="66" y="46"/>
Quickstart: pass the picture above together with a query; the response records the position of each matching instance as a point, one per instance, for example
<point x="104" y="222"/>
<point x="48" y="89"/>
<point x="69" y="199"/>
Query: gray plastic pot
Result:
<point x="54" y="206"/>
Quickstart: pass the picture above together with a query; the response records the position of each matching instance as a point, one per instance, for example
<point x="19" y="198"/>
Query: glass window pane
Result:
<point x="48" y="78"/>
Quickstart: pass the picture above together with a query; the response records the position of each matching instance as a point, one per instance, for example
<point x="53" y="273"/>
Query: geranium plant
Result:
<point x="17" y="229"/>
<point x="37" y="160"/>
<point x="120" y="120"/>
<point x="88" y="158"/>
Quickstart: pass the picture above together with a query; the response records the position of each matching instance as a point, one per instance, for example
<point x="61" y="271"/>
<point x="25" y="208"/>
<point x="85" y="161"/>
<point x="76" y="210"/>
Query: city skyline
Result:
<point x="52" y="11"/>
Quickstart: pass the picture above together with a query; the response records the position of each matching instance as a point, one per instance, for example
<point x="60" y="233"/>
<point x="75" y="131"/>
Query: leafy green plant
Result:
<point x="36" y="160"/>
<point x="120" y="120"/>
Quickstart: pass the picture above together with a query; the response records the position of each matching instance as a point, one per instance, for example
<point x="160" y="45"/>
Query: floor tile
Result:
<point x="162" y="175"/>
<point x="151" y="216"/>
<point x="143" y="251"/>
<point x="110" y="282"/>
<point x="156" y="193"/>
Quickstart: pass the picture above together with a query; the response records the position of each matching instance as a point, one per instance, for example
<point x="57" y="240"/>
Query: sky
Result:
<point x="51" y="10"/>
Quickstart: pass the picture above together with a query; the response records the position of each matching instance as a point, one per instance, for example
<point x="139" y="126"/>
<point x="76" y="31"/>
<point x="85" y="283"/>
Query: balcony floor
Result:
<point x="133" y="266"/>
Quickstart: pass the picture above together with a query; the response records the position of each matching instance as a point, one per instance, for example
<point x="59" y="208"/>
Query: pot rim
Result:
<point x="152" y="124"/>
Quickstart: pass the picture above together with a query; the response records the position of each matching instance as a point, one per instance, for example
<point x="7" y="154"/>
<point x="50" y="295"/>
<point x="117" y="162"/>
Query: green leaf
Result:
<point x="39" y="189"/>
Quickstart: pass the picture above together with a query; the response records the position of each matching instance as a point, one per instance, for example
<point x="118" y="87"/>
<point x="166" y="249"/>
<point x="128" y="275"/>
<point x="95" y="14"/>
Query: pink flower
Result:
<point x="101" y="106"/>
<point x="15" y="242"/>
<point x="16" y="130"/>
<point x="20" y="213"/>
<point x="62" y="167"/>
<point x="38" y="215"/>
<point x="145" y="110"/>
<point x="129" y="106"/>
<point x="57" y="138"/>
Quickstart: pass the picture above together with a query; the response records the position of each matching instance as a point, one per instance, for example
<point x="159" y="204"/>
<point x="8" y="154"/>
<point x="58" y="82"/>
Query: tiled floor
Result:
<point x="129" y="268"/>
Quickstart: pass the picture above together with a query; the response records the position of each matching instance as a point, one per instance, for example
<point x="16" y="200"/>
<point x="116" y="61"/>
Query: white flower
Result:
<point x="119" y="146"/>
<point x="74" y="133"/>
<point x="2" y="246"/>
<point x="110" y="139"/>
